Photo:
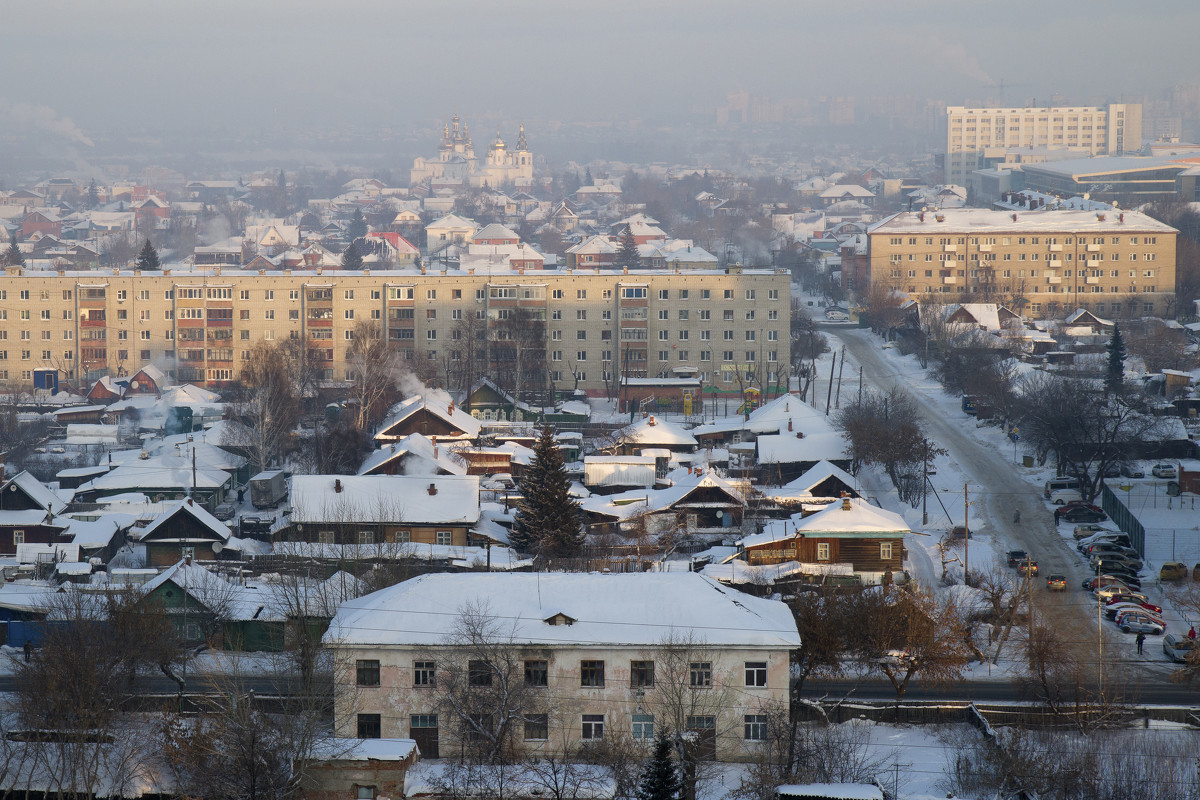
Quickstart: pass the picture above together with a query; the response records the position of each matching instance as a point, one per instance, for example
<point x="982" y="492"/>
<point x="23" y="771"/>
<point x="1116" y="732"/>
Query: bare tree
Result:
<point x="267" y="408"/>
<point x="375" y="367"/>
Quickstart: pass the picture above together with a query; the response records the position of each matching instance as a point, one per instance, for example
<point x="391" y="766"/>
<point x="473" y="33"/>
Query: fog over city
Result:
<point x="296" y="82"/>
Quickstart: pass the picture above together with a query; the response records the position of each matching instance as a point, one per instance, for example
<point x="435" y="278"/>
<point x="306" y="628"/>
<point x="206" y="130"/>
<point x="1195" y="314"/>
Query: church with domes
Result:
<point x="456" y="162"/>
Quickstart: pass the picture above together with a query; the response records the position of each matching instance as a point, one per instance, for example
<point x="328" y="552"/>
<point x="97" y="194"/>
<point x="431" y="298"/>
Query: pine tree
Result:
<point x="93" y="195"/>
<point x="147" y="260"/>
<point x="548" y="520"/>
<point x="13" y="257"/>
<point x="351" y="258"/>
<point x="587" y="177"/>
<point x="1115" y="379"/>
<point x="358" y="225"/>
<point x="660" y="779"/>
<point x="628" y="255"/>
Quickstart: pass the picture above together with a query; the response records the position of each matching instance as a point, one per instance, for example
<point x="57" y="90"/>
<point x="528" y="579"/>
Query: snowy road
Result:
<point x="997" y="489"/>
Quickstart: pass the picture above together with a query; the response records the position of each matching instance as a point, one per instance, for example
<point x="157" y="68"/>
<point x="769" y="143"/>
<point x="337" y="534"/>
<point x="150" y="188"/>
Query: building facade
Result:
<point x="1039" y="263"/>
<point x="974" y="135"/>
<point x="727" y="325"/>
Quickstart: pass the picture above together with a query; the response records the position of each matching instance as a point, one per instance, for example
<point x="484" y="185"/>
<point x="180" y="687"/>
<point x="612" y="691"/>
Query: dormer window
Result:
<point x="559" y="619"/>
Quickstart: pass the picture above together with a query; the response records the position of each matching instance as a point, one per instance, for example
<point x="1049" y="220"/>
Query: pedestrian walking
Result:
<point x="1017" y="516"/>
<point x="1192" y="633"/>
<point x="1141" y="640"/>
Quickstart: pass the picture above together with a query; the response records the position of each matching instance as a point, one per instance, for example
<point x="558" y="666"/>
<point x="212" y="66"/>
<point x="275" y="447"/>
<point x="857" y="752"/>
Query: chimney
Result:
<point x="651" y="421"/>
<point x="337" y="485"/>
<point x="1014" y="216"/>
<point x="921" y="216"/>
<point x="450" y="408"/>
<point x="435" y="447"/>
<point x="789" y="423"/>
<point x="191" y="502"/>
<point x="1121" y="216"/>
<point x="845" y="501"/>
<point x="432" y="489"/>
<point x="187" y="560"/>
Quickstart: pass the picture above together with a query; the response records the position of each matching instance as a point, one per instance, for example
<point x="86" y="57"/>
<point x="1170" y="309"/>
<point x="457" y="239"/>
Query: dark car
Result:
<point x="1084" y="514"/>
<point x="1056" y="582"/>
<point x="1016" y="557"/>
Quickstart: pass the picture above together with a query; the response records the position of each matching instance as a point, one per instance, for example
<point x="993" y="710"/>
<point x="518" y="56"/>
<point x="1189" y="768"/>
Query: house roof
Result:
<point x="421" y="450"/>
<point x="385" y="498"/>
<point x="495" y="231"/>
<point x="654" y="431"/>
<point x="37" y="491"/>
<point x="861" y="517"/>
<point x="637" y="609"/>
<point x="450" y="413"/>
<point x="188" y="508"/>
<point x="788" y="448"/>
<point x="820" y="472"/>
<point x="218" y="595"/>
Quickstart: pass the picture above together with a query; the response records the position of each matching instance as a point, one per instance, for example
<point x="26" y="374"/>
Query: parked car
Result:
<point x="1027" y="566"/>
<point x="1101" y="580"/>
<point x="1056" y="582"/>
<point x="1112" y="471"/>
<point x="1177" y="646"/>
<point x="1101" y="546"/>
<point x="1064" y="496"/>
<point x="1118" y="538"/>
<point x="1091" y="529"/>
<point x="1084" y="514"/>
<point x="1173" y="571"/>
<point x="1113" y="564"/>
<point x="1105" y="592"/>
<point x="1016" y="556"/>
<point x="1140" y="622"/>
<point x="1134" y="597"/>
<point x="1126" y="576"/>
<point x="1062" y="482"/>
<point x="1163" y="471"/>
<point x="225" y="512"/>
<point x="1112" y="610"/>
<point x="1132" y="470"/>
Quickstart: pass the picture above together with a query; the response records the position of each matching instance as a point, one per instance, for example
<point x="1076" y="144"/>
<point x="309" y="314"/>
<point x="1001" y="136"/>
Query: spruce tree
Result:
<point x="13" y="257"/>
<point x="628" y="255"/>
<point x="147" y="259"/>
<point x="358" y="225"/>
<point x="660" y="780"/>
<point x="548" y="520"/>
<point x="93" y="195"/>
<point x="351" y="258"/>
<point x="1115" y="379"/>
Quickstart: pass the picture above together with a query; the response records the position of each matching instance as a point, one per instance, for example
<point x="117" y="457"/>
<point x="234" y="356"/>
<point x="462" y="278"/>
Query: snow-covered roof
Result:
<point x="654" y="431"/>
<point x="860" y="517"/>
<point x="157" y="472"/>
<point x="424" y="458"/>
<point x="820" y="472"/>
<point x="192" y="509"/>
<point x="739" y="572"/>
<point x="840" y="791"/>
<point x="220" y="596"/>
<point x="335" y="749"/>
<point x="788" y="448"/>
<point x="385" y="498"/>
<point x="634" y="609"/>
<point x="449" y="412"/>
<point x="979" y="220"/>
<point x="986" y="315"/>
<point x="37" y="491"/>
<point x="495" y="230"/>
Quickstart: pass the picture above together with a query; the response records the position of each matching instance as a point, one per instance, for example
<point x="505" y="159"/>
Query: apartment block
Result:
<point x="1039" y="263"/>
<point x="977" y="137"/>
<point x="200" y="325"/>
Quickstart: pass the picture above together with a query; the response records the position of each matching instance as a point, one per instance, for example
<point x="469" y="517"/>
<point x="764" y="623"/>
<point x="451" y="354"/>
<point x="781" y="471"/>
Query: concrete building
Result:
<point x="976" y="135"/>
<point x="1040" y="263"/>
<point x="727" y="326"/>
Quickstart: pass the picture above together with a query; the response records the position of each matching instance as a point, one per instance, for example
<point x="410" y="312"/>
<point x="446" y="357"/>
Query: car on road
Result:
<point x="1132" y="470"/>
<point x="1056" y="582"/>
<point x="1027" y="566"/>
<point x="1065" y="496"/>
<point x="1163" y="471"/>
<point x="1139" y="622"/>
<point x="1084" y="514"/>
<point x="1016" y="557"/>
<point x="836" y="315"/>
<point x="1176" y="647"/>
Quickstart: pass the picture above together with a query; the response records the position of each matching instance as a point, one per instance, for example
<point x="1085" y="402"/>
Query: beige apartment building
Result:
<point x="1039" y="263"/>
<point x="976" y="135"/>
<point x="719" y="325"/>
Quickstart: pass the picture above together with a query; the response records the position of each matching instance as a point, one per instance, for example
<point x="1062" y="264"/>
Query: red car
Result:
<point x="1133" y="598"/>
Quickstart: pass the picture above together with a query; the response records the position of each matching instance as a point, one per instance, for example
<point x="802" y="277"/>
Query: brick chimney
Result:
<point x="845" y="501"/>
<point x="432" y="489"/>
<point x="337" y="485"/>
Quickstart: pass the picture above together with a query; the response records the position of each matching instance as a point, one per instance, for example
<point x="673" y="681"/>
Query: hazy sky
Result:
<point x="222" y="65"/>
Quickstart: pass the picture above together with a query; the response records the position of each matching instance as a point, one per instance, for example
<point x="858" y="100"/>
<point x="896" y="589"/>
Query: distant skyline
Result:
<point x="79" y="70"/>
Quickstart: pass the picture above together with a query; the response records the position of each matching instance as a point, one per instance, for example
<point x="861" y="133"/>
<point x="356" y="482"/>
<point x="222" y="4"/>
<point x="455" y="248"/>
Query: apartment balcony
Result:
<point x="1093" y="248"/>
<point x="1056" y="248"/>
<point x="950" y="248"/>
<point x="1092" y="279"/>
<point x="949" y="279"/>
<point x="985" y="248"/>
<point x="1056" y="263"/>
<point x="1053" y="279"/>
<point x="1094" y="262"/>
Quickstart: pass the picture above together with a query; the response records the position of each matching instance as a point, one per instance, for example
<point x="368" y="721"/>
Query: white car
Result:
<point x="1064" y="496"/>
<point x="1163" y="471"/>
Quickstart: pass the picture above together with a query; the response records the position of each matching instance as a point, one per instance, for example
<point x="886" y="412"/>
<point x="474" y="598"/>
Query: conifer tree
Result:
<point x="628" y="255"/>
<point x="351" y="259"/>
<point x="93" y="195"/>
<point x="358" y="225"/>
<point x="13" y="257"/>
<point x="660" y="779"/>
<point x="147" y="259"/>
<point x="1115" y="379"/>
<point x="548" y="521"/>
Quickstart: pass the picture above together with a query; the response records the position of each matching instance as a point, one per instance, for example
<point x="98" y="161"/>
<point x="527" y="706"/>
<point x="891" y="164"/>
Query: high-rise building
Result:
<point x="977" y="136"/>
<point x="1040" y="263"/>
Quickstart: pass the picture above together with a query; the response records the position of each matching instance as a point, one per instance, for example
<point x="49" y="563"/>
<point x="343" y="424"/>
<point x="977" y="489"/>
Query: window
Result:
<point x="18" y="537"/>
<point x="367" y="672"/>
<point x="700" y="674"/>
<point x="643" y="727"/>
<point x="728" y="294"/>
<point x="593" y="726"/>
<point x="822" y="551"/>
<point x="364" y="792"/>
<point x="641" y="674"/>
<point x="591" y="673"/>
<point x="479" y="673"/>
<point x="537" y="673"/>
<point x="756" y="728"/>
<point x="756" y="673"/>
<point x="581" y="294"/>
<point x="581" y="313"/>
<point x="537" y="726"/>
<point x="368" y="726"/>
<point x="443" y="537"/>
<point x="424" y="673"/>
<point x="885" y="551"/>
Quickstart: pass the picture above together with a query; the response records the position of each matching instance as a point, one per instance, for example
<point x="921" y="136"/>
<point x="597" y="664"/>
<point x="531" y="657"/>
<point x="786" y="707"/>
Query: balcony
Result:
<point x="1092" y="279"/>
<point x="1056" y="248"/>
<point x="949" y="279"/>
<point x="1056" y="263"/>
<point x="1093" y="248"/>
<point x="950" y="248"/>
<point x="1053" y="279"/>
<point x="985" y="248"/>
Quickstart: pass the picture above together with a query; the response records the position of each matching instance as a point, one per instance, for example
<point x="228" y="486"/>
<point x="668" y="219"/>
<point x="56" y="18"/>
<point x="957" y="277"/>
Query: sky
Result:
<point x="78" y="70"/>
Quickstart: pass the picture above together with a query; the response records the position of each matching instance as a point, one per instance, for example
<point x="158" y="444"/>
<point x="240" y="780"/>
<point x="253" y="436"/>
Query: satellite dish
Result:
<point x="217" y="547"/>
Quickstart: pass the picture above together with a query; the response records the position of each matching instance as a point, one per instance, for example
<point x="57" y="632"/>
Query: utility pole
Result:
<point x="924" y="473"/>
<point x="967" y="538"/>
<point x="837" y="402"/>
<point x="860" y="383"/>
<point x="829" y="394"/>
